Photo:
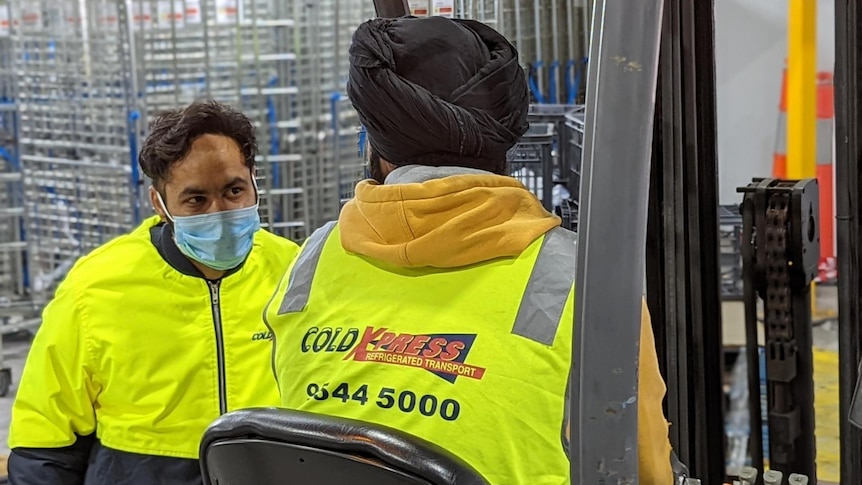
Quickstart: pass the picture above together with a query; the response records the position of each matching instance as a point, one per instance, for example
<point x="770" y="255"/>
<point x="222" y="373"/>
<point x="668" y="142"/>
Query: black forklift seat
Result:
<point x="283" y="447"/>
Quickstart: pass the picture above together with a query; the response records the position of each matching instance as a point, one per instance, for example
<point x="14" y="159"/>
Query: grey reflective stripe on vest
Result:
<point x="548" y="289"/>
<point x="299" y="286"/>
<point x="541" y="306"/>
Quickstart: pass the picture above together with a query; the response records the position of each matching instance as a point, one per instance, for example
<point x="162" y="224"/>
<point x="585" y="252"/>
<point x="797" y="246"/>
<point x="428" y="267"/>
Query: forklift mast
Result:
<point x="848" y="180"/>
<point x="682" y="252"/>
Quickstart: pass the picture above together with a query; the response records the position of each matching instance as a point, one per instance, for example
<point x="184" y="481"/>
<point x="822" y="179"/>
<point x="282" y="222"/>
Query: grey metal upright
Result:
<point x="621" y="91"/>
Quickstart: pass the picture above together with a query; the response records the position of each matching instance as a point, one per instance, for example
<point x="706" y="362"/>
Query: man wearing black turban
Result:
<point x="442" y="301"/>
<point x="437" y="92"/>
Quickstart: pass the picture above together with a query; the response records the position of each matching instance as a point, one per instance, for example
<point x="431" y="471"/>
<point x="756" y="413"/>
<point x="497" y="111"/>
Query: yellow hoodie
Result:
<point x="453" y="217"/>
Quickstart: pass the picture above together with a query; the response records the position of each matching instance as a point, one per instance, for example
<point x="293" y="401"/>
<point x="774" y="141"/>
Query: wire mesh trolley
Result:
<point x="330" y="126"/>
<point x="551" y="37"/>
<point x="238" y="52"/>
<point x="75" y="100"/>
<point x="16" y="307"/>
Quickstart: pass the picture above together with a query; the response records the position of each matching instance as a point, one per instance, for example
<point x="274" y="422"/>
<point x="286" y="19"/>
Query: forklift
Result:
<point x="648" y="196"/>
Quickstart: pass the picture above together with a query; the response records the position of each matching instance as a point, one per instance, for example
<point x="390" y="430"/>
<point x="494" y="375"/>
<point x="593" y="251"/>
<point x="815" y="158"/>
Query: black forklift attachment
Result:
<point x="780" y="251"/>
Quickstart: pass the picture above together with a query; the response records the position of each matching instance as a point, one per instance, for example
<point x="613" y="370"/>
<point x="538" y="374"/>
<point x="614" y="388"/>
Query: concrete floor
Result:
<point x="15" y="350"/>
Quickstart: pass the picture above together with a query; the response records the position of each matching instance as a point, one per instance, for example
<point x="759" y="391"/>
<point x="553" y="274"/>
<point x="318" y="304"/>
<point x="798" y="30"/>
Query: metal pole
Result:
<point x="802" y="90"/>
<point x="586" y="16"/>
<point x="556" y="60"/>
<point x="518" y="40"/>
<point x="682" y="268"/>
<point x="206" y="15"/>
<point x="848" y="103"/>
<point x="175" y="62"/>
<point x="539" y="59"/>
<point x="570" y="31"/>
<point x="616" y="162"/>
<point x="755" y="441"/>
<point x="500" y="19"/>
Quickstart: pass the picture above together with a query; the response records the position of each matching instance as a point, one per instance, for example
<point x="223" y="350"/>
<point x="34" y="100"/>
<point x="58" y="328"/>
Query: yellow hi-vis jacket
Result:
<point x="139" y="348"/>
<point x="444" y="308"/>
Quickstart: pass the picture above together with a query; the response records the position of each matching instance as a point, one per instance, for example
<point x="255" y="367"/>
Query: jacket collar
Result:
<point x="417" y="174"/>
<point x="162" y="237"/>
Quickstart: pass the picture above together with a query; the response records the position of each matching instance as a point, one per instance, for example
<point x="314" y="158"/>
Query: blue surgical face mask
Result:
<point x="219" y="240"/>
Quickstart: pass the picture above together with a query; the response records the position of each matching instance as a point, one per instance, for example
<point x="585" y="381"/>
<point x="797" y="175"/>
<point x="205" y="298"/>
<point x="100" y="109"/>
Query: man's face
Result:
<point x="213" y="177"/>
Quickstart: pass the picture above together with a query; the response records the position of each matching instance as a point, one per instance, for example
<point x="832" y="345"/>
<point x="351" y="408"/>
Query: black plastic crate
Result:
<point x="531" y="161"/>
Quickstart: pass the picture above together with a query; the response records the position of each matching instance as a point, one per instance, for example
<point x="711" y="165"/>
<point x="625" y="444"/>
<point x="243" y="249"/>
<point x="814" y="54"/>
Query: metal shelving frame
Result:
<point x="329" y="125"/>
<point x="551" y="37"/>
<point x="74" y="104"/>
<point x="16" y="306"/>
<point x="238" y="52"/>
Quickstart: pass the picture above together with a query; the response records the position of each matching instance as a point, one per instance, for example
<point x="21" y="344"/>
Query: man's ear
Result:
<point x="253" y="171"/>
<point x="387" y="167"/>
<point x="157" y="206"/>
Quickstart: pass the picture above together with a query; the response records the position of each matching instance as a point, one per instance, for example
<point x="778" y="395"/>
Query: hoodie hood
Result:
<point x="443" y="217"/>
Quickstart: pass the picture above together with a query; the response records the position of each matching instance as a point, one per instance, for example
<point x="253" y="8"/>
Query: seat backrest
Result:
<point x="283" y="447"/>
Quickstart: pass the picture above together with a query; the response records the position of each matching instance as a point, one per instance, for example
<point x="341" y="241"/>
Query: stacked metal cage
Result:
<point x="15" y="305"/>
<point x="88" y="75"/>
<point x="238" y="52"/>
<point x="531" y="161"/>
<point x="71" y="62"/>
<point x="552" y="37"/>
<point x="730" y="248"/>
<point x="329" y="125"/>
<point x="348" y="145"/>
<point x="575" y="128"/>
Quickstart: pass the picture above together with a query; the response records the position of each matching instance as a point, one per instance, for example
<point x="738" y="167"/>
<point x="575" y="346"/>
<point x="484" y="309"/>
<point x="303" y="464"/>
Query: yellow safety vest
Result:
<point x="145" y="355"/>
<point x="473" y="359"/>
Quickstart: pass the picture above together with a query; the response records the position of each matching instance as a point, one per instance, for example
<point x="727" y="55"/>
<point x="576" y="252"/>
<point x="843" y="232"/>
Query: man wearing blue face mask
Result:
<point x="155" y="334"/>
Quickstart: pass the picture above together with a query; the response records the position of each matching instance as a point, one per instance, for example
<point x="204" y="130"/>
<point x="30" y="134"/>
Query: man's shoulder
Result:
<point x="123" y="253"/>
<point x="274" y="248"/>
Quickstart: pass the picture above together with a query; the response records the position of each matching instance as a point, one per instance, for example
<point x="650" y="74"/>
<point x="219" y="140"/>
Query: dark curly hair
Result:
<point x="173" y="132"/>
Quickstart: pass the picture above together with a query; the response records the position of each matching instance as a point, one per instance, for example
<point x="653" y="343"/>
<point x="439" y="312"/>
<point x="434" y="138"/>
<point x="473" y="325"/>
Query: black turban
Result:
<point x="432" y="89"/>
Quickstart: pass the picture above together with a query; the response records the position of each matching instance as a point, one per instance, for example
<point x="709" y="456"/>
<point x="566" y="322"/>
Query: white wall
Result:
<point x="751" y="46"/>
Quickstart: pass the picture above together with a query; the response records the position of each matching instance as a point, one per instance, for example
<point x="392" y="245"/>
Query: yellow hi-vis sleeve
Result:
<point x="654" y="460"/>
<point x="54" y="402"/>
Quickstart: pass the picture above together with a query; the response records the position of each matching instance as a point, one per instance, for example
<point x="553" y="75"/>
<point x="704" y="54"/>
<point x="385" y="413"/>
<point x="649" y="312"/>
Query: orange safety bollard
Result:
<point x="825" y="165"/>
<point x="779" y="156"/>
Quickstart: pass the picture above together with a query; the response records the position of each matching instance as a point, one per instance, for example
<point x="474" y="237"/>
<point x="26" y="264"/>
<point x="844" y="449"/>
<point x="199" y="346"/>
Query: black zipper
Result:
<point x="222" y="379"/>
